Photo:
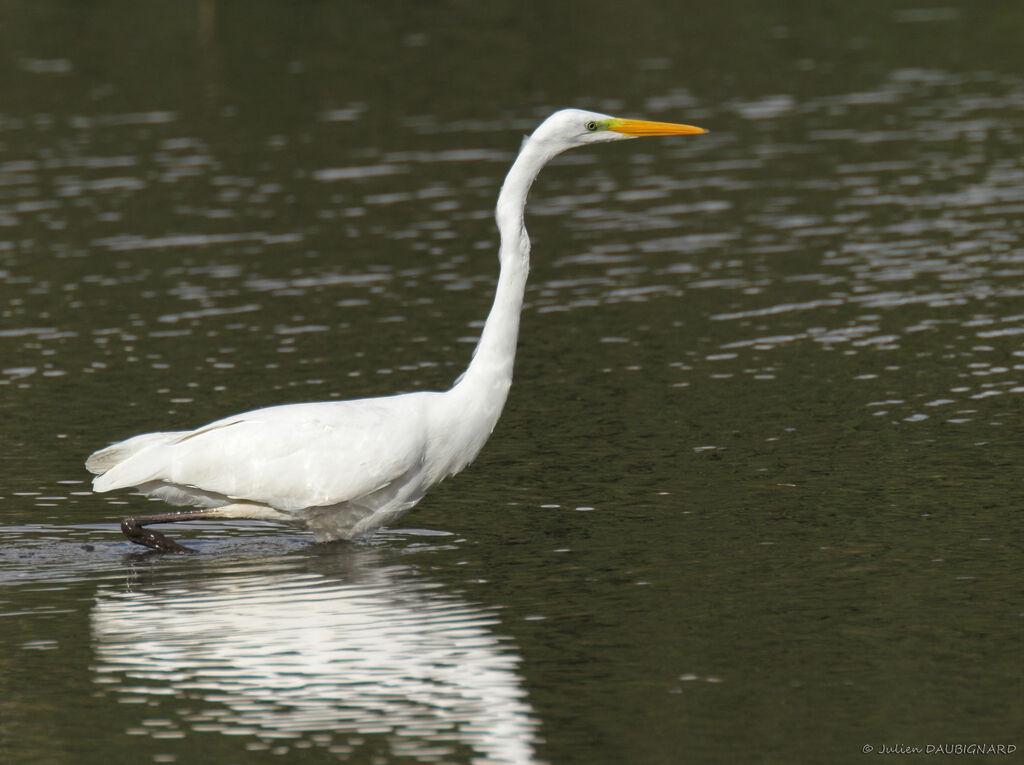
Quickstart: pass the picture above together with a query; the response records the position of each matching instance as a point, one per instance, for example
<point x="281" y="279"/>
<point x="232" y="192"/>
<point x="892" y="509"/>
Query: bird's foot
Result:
<point x="140" y="535"/>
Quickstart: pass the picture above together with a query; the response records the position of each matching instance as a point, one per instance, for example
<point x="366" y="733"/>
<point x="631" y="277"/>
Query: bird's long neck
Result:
<point x="490" y="372"/>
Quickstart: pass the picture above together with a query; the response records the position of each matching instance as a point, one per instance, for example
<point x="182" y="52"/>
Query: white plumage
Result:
<point x="345" y="468"/>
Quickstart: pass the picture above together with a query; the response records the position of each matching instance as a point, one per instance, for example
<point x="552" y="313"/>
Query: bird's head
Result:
<point x="568" y="128"/>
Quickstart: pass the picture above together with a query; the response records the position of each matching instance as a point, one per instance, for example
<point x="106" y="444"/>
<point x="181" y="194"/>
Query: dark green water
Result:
<point x="756" y="494"/>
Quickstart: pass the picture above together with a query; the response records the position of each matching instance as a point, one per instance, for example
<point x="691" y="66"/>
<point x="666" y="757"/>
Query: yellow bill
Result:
<point x="645" y="127"/>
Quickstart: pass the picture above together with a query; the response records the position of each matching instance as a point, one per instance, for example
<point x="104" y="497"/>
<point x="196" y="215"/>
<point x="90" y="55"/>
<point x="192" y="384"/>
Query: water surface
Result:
<point x="755" y="496"/>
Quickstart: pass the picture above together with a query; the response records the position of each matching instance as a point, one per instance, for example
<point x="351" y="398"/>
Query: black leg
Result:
<point x="132" y="526"/>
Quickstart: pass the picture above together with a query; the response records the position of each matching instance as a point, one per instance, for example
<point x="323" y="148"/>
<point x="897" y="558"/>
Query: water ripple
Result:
<point x="297" y="657"/>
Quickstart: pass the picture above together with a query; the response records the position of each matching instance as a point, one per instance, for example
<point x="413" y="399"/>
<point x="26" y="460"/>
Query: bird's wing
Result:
<point x="288" y="457"/>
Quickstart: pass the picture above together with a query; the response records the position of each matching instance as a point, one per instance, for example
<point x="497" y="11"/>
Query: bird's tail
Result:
<point x="99" y="462"/>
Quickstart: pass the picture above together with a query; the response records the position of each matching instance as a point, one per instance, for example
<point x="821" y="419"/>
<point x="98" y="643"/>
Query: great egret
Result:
<point x="345" y="468"/>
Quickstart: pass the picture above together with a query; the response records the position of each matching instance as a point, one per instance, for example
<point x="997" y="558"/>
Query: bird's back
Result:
<point x="288" y="457"/>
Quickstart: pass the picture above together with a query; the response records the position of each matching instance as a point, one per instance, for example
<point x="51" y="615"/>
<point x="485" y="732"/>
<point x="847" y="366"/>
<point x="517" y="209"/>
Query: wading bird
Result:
<point x="345" y="468"/>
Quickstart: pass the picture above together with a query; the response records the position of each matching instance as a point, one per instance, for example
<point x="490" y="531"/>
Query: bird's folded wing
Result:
<point x="288" y="457"/>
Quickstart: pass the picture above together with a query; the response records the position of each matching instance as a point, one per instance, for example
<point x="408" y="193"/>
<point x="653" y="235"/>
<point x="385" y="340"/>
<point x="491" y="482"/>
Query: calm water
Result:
<point x="756" y="493"/>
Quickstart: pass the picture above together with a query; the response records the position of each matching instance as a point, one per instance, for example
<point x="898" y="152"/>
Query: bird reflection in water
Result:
<point x="320" y="658"/>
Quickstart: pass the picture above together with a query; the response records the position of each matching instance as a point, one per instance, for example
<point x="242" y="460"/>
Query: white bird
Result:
<point x="345" y="468"/>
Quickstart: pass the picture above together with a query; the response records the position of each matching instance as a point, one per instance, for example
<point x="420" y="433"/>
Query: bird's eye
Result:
<point x="591" y="126"/>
